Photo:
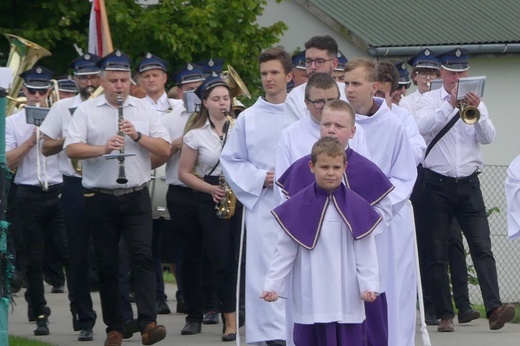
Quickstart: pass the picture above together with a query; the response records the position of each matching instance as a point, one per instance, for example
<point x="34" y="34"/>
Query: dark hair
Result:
<point x="324" y="43"/>
<point x="328" y="146"/>
<point x="279" y="54"/>
<point x="342" y="106"/>
<point x="321" y="81"/>
<point x="368" y="65"/>
<point x="387" y="72"/>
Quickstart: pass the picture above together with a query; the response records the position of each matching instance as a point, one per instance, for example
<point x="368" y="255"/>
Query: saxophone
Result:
<point x="226" y="207"/>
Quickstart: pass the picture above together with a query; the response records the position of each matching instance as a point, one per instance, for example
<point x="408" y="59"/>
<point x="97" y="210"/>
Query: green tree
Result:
<point x="177" y="30"/>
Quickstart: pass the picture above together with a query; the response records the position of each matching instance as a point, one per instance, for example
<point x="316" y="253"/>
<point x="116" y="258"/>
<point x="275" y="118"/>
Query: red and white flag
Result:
<point x="99" y="39"/>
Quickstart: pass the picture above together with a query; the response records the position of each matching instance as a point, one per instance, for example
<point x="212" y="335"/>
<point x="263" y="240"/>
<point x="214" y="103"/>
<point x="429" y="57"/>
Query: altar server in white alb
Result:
<point x="327" y="249"/>
<point x="390" y="149"/>
<point x="248" y="161"/>
<point x="513" y="199"/>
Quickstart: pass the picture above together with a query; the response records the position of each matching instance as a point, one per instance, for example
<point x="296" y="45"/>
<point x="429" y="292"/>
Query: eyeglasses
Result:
<point x="431" y="74"/>
<point x="34" y="91"/>
<point x="92" y="78"/>
<point x="406" y="86"/>
<point x="319" y="62"/>
<point x="320" y="103"/>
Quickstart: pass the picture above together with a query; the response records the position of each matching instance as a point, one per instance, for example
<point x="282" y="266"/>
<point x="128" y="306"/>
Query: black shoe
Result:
<point x="32" y="317"/>
<point x="468" y="315"/>
<point x="131" y="327"/>
<point x="191" y="328"/>
<point x="276" y="343"/>
<point x="161" y="308"/>
<point x="430" y="319"/>
<point x="210" y="317"/>
<point x="86" y="335"/>
<point x="229" y="337"/>
<point x="42" y="325"/>
<point x="58" y="289"/>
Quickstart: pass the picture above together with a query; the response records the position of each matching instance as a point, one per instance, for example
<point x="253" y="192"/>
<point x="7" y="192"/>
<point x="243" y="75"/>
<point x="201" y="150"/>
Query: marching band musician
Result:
<point x="120" y="209"/>
<point x="183" y="208"/>
<point x="55" y="128"/>
<point x="248" y="163"/>
<point x="152" y="70"/>
<point x="199" y="168"/>
<point x="66" y="87"/>
<point x="404" y="82"/>
<point x="39" y="210"/>
<point x="338" y="74"/>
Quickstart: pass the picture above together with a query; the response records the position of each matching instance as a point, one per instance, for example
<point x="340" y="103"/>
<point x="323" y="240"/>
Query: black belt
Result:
<point x="428" y="173"/>
<point x="37" y="188"/>
<point x="118" y="192"/>
<point x="71" y="178"/>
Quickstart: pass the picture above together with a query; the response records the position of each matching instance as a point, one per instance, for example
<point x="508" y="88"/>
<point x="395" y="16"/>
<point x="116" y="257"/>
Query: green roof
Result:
<point x="405" y="23"/>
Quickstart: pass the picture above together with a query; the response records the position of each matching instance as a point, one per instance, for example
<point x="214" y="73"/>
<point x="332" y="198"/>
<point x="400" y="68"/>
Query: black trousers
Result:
<point x="39" y="216"/>
<point x="73" y="205"/>
<point x="109" y="217"/>
<point x="448" y="198"/>
<point x="182" y="203"/>
<point x="457" y="258"/>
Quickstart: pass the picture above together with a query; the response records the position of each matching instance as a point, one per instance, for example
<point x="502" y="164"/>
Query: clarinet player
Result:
<point x="116" y="209"/>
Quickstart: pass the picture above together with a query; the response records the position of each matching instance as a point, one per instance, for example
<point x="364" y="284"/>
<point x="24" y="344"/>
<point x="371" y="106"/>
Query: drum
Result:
<point x="158" y="189"/>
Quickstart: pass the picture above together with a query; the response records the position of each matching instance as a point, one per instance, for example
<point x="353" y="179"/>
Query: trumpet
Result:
<point x="121" y="178"/>
<point x="227" y="205"/>
<point x="469" y="114"/>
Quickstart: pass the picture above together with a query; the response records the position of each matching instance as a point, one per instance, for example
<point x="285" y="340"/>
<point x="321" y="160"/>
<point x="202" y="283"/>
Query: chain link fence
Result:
<point x="507" y="252"/>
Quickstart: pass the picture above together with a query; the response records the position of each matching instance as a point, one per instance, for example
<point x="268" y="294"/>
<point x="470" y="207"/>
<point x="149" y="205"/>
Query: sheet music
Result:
<point x="35" y="115"/>
<point x="474" y="84"/>
<point x="436" y="84"/>
<point x="192" y="101"/>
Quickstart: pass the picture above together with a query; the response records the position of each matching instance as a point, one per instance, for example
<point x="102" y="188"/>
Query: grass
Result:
<point x="168" y="276"/>
<point x="20" y="341"/>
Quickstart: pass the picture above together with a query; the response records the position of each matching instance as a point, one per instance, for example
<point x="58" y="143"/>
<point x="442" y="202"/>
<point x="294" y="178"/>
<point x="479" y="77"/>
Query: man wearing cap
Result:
<point x="55" y="128"/>
<point x="339" y="72"/>
<point x="66" y="87"/>
<point x="114" y="209"/>
<point x="152" y="70"/>
<point x="39" y="185"/>
<point x="182" y="202"/>
<point x="425" y="68"/>
<point x="404" y="82"/>
<point x="453" y="189"/>
<point x="299" y="71"/>
<point x="248" y="165"/>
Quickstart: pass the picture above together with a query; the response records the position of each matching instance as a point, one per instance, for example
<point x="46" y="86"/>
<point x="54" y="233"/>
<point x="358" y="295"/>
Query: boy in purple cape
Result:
<point x="328" y="251"/>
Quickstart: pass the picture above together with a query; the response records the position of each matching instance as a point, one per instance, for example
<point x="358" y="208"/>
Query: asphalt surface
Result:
<point x="61" y="333"/>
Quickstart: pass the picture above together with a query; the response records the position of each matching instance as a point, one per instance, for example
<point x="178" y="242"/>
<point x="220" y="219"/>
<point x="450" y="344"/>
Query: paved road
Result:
<point x="475" y="333"/>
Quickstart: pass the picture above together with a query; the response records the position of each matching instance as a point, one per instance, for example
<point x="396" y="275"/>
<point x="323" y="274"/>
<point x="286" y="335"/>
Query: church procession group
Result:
<point x="333" y="204"/>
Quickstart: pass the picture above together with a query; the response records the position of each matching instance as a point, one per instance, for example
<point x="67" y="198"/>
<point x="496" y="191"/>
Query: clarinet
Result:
<point x="121" y="178"/>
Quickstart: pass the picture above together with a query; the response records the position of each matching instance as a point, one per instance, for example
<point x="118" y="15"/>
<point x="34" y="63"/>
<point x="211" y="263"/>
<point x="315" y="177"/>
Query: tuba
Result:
<point x="237" y="87"/>
<point x="469" y="114"/>
<point x="22" y="56"/>
<point x="226" y="207"/>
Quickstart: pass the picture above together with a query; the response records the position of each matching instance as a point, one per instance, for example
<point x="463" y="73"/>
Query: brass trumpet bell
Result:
<point x="236" y="84"/>
<point x="469" y="114"/>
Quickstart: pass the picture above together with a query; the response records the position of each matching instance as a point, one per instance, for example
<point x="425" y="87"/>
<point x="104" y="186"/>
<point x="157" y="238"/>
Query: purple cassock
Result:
<point x="301" y="217"/>
<point x="362" y="176"/>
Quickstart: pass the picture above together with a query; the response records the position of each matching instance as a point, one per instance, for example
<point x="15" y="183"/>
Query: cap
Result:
<point x="208" y="84"/>
<point x="66" y="84"/>
<point x="38" y="77"/>
<point x="152" y="62"/>
<point x="212" y="65"/>
<point x="298" y="60"/>
<point x="424" y="59"/>
<point x="456" y="60"/>
<point x="404" y="75"/>
<point x="115" y="61"/>
<point x="187" y="74"/>
<point x="85" y="64"/>
<point x="342" y="62"/>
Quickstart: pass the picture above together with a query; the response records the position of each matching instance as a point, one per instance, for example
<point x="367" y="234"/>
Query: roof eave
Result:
<point x="491" y="48"/>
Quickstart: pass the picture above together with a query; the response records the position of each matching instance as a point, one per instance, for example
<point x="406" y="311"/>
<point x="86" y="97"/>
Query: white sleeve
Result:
<point x="512" y="185"/>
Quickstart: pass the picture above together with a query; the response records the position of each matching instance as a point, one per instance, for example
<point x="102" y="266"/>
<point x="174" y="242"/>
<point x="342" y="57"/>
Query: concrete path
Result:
<point x="475" y="333"/>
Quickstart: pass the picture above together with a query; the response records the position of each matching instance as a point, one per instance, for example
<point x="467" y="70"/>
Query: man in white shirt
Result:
<point x="453" y="189"/>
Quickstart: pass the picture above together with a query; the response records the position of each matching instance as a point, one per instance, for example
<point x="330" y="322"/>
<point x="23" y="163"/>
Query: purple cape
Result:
<point x="362" y="175"/>
<point x="301" y="217"/>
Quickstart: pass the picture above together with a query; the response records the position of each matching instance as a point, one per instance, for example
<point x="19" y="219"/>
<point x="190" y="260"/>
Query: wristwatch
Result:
<point x="139" y="135"/>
